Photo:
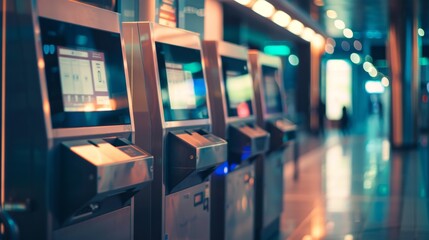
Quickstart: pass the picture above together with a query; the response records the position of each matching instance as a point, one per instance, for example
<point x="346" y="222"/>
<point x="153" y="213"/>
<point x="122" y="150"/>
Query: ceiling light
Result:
<point x="373" y="72"/>
<point x="295" y="27"/>
<point x="331" y="14"/>
<point x="318" y="41"/>
<point x="243" y="2"/>
<point x="348" y="33"/>
<point x="374" y="87"/>
<point x="293" y="60"/>
<point x="421" y="32"/>
<point x="367" y="66"/>
<point x="339" y="24"/>
<point x="358" y="45"/>
<point x="355" y="58"/>
<point x="281" y="18"/>
<point x="385" y="81"/>
<point x="329" y="48"/>
<point x="319" y="3"/>
<point x="263" y="8"/>
<point x="307" y="34"/>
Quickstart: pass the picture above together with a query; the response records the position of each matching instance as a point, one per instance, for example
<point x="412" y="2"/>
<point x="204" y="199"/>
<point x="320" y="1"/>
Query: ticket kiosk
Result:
<point x="231" y="88"/>
<point x="167" y="72"/>
<point x="270" y="105"/>
<point x="71" y="169"/>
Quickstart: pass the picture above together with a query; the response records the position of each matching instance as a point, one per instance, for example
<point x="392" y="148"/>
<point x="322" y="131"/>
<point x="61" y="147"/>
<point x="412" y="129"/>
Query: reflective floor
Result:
<point x="356" y="187"/>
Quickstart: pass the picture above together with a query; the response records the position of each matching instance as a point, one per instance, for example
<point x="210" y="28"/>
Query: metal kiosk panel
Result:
<point x="230" y="85"/>
<point x="267" y="72"/>
<point x="170" y="89"/>
<point x="71" y="170"/>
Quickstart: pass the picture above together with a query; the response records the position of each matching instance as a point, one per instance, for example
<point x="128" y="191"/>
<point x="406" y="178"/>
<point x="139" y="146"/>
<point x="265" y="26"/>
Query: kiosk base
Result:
<point x="187" y="213"/>
<point x="115" y="225"/>
<point x="233" y="204"/>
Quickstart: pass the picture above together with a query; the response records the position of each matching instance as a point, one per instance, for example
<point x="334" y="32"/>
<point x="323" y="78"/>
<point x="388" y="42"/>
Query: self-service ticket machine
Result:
<point x="270" y="105"/>
<point x="71" y="169"/>
<point x="231" y="88"/>
<point x="167" y="71"/>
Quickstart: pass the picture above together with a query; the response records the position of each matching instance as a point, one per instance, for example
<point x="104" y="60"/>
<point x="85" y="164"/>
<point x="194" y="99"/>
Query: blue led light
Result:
<point x="222" y="169"/>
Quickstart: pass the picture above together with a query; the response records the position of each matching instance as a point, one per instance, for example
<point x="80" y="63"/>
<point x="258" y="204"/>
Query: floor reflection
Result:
<point x="355" y="187"/>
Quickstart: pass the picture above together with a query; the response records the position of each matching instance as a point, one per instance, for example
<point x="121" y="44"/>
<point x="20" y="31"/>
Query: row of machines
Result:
<point x="138" y="131"/>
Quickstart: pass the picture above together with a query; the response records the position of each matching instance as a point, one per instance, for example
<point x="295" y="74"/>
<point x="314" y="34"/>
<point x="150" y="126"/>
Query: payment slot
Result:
<point x="71" y="168"/>
<point x="233" y="183"/>
<point x="167" y="72"/>
<point x="270" y="105"/>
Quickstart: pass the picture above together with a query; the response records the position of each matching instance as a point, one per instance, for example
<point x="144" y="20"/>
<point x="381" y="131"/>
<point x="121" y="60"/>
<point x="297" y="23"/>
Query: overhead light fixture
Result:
<point x="339" y="24"/>
<point x="295" y="27"/>
<point x="421" y="32"/>
<point x="331" y="14"/>
<point x="367" y="66"/>
<point x="329" y="48"/>
<point x="385" y="81"/>
<point x="358" y="45"/>
<point x="373" y="72"/>
<point x="374" y="87"/>
<point x="243" y="2"/>
<point x="307" y="34"/>
<point x="318" y="40"/>
<point x="348" y="33"/>
<point x="281" y="18"/>
<point x="319" y="3"/>
<point x="355" y="58"/>
<point x="263" y="8"/>
<point x="293" y="60"/>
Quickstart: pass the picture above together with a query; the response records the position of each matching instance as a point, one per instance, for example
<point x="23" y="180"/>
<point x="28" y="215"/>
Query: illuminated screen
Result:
<point x="272" y="95"/>
<point x="85" y="75"/>
<point x="338" y="88"/>
<point x="83" y="80"/>
<point x="238" y="87"/>
<point x="183" y="87"/>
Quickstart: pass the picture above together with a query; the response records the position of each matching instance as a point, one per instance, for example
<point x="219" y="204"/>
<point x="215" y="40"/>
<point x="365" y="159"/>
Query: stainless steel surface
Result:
<point x="269" y="169"/>
<point x="88" y="16"/>
<point x="273" y="185"/>
<point x="34" y="156"/>
<point x="97" y="228"/>
<point x="206" y="150"/>
<point x="233" y="204"/>
<point x="188" y="214"/>
<point x="140" y="40"/>
<point x="257" y="59"/>
<point x="233" y="189"/>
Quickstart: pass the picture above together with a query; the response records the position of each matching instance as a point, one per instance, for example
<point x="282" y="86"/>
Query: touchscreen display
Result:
<point x="83" y="80"/>
<point x="238" y="87"/>
<point x="273" y="99"/>
<point x="183" y="87"/>
<point x="85" y="75"/>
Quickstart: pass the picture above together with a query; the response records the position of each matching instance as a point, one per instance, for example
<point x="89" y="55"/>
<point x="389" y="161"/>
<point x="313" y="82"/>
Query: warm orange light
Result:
<point x="263" y="8"/>
<point x="307" y="34"/>
<point x="281" y="18"/>
<point x="295" y="27"/>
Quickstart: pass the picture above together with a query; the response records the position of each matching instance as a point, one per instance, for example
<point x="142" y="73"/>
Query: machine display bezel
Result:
<point x="169" y="54"/>
<point x="87" y="39"/>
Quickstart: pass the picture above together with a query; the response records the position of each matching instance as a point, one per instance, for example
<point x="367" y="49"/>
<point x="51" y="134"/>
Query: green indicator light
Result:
<point x="424" y="61"/>
<point x="277" y="50"/>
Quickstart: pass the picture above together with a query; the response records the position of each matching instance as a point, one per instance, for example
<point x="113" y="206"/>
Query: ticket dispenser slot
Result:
<point x="100" y="175"/>
<point x="282" y="133"/>
<point x="192" y="156"/>
<point x="247" y="140"/>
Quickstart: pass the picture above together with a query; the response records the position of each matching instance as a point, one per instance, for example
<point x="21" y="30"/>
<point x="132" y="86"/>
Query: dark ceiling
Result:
<point x="367" y="18"/>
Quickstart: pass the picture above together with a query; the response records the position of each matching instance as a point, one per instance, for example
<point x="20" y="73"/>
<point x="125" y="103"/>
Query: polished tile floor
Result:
<point x="356" y="187"/>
